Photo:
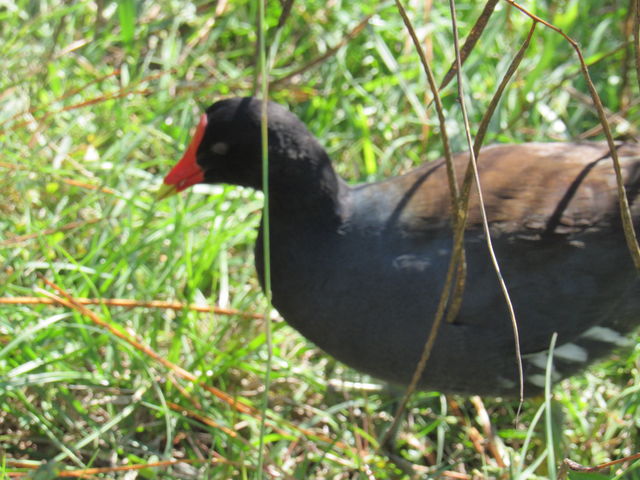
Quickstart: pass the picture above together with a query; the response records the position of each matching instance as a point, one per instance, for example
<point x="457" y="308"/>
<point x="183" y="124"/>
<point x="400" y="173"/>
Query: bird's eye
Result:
<point x="220" y="148"/>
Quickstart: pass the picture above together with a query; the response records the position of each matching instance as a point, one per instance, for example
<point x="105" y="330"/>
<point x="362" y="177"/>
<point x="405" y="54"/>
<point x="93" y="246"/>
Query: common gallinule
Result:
<point x="359" y="270"/>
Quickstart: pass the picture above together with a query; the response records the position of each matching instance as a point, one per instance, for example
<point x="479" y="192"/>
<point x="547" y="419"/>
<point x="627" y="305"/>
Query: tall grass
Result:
<point x="97" y="101"/>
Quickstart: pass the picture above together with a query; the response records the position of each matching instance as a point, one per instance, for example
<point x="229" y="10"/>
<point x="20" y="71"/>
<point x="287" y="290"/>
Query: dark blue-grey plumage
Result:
<point x="359" y="270"/>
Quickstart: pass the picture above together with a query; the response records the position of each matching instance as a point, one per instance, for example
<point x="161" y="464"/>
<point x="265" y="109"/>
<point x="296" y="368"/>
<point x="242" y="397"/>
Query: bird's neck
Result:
<point x="305" y="210"/>
<point x="306" y="188"/>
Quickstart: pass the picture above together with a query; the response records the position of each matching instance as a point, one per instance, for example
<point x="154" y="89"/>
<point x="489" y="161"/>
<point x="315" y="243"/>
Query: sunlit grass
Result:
<point x="97" y="102"/>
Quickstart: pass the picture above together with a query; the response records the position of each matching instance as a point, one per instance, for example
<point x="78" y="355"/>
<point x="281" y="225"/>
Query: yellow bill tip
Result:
<point x="166" y="191"/>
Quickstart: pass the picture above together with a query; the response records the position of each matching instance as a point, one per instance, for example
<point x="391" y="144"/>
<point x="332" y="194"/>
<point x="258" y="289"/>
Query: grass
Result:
<point x="96" y="104"/>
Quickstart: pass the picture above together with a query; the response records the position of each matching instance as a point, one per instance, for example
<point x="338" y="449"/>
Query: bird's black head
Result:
<point x="226" y="147"/>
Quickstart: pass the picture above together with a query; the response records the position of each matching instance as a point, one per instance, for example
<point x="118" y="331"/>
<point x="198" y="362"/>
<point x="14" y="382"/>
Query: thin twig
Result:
<point x="49" y="231"/>
<point x="86" y="472"/>
<point x="468" y="178"/>
<point x="286" y="12"/>
<point x="329" y="53"/>
<point x="471" y="40"/>
<point x="582" y="468"/>
<point x="456" y="265"/>
<point x="206" y="421"/>
<point x="38" y="107"/>
<point x="616" y="118"/>
<point x="485" y="221"/>
<point x="86" y="103"/>
<point x="466" y="189"/>
<point x="128" y="303"/>
<point x="68" y="181"/>
<point x="493" y="104"/>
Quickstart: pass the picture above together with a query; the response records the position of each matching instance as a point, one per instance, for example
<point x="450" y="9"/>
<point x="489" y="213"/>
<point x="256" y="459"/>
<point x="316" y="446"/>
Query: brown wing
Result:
<point x="532" y="189"/>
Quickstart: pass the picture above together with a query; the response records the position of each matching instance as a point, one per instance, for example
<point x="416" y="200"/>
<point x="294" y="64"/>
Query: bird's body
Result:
<point x="360" y="270"/>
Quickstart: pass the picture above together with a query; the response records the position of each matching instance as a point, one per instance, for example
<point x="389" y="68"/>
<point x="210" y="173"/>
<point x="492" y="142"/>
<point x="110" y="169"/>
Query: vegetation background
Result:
<point x="97" y="101"/>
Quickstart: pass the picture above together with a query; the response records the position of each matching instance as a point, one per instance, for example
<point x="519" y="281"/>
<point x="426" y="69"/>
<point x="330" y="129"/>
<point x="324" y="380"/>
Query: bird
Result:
<point x="359" y="269"/>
